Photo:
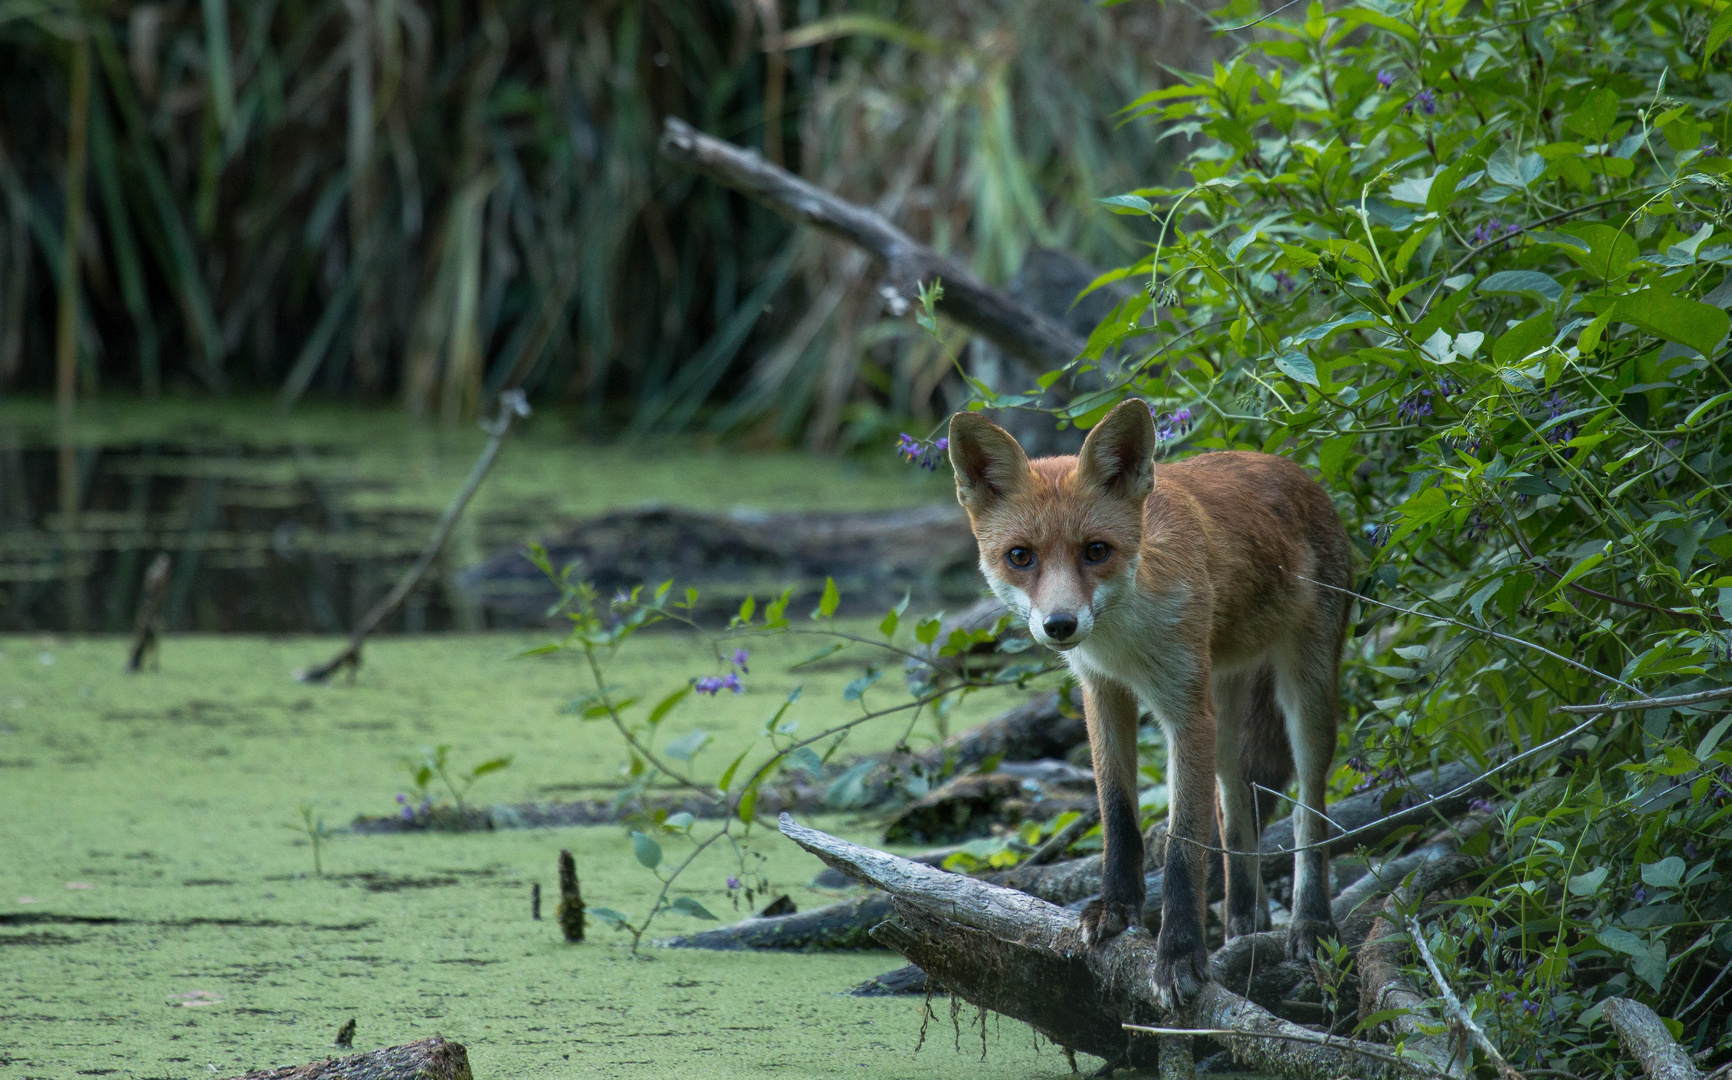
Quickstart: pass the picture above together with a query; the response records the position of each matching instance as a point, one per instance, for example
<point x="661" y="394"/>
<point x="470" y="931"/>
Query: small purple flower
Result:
<point x="1385" y="79"/>
<point x="1171" y="426"/>
<point x="1415" y="406"/>
<point x="916" y="452"/>
<point x="1640" y="895"/>
<point x="1449" y="387"/>
<point x="740" y="656"/>
<point x="1478" y="525"/>
<point x="1285" y="282"/>
<point x="1425" y="101"/>
<point x="403" y="801"/>
<point x="1556" y="405"/>
<point x="715" y="684"/>
<point x="1689" y="850"/>
<point x="1480" y="806"/>
<point x="1532" y="1008"/>
<point x="1379" y="534"/>
<point x="733" y="883"/>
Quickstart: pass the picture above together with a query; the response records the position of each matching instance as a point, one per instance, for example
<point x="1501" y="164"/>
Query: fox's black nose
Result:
<point x="1059" y="626"/>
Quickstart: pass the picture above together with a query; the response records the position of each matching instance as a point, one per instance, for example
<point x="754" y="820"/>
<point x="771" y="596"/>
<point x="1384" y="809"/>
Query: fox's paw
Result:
<point x="1103" y="920"/>
<point x="1180" y="971"/>
<point x="1304" y="934"/>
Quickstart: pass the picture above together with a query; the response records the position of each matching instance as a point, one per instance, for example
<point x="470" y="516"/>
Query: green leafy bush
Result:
<point x="1469" y="261"/>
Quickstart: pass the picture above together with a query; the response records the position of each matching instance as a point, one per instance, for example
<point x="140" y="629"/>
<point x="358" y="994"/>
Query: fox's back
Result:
<point x="1269" y="535"/>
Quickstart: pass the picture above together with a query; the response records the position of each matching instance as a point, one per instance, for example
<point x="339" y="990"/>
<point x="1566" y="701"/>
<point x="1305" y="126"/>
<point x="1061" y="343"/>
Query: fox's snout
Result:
<point x="1059" y="626"/>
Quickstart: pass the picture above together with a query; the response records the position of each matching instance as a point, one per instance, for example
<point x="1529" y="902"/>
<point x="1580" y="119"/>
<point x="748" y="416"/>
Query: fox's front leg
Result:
<point x="1181" y="955"/>
<point x="1111" y="712"/>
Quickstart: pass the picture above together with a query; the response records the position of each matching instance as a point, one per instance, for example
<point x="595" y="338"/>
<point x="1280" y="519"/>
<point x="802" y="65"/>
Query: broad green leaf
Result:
<point x="854" y="690"/>
<point x="1589" y="883"/>
<point x="1530" y="283"/>
<point x="1668" y="873"/>
<point x="1593" y="119"/>
<point x="666" y="705"/>
<point x="685" y="905"/>
<point x="648" y="852"/>
<point x="1297" y="366"/>
<point x="1718" y="33"/>
<point x="687" y="746"/>
<point x="1521" y="340"/>
<point x="492" y="766"/>
<point x="828" y="603"/>
<point x="1609" y="254"/>
<point x="607" y="915"/>
<point x="1673" y="318"/>
<point x="1134" y="203"/>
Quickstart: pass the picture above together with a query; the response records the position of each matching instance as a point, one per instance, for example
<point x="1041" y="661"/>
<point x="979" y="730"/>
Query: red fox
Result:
<point x="1190" y="592"/>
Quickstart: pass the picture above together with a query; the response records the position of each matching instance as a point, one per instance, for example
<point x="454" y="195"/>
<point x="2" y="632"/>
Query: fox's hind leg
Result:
<point x="1252" y="765"/>
<point x="1307" y="674"/>
<point x="1239" y="825"/>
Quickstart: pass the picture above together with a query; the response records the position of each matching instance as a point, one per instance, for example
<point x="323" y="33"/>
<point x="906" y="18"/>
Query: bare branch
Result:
<point x="1039" y="342"/>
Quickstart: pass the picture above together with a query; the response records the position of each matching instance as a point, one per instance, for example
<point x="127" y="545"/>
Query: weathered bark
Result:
<point x="1642" y="1033"/>
<point x="1041" y="343"/>
<point x="429" y="1059"/>
<point x="836" y="927"/>
<point x="1019" y="955"/>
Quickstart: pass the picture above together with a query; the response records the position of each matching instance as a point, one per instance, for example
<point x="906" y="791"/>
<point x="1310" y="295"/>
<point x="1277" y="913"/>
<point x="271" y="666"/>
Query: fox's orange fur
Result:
<point x="1188" y="591"/>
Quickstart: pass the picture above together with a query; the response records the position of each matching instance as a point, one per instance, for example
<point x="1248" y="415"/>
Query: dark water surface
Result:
<point x="300" y="524"/>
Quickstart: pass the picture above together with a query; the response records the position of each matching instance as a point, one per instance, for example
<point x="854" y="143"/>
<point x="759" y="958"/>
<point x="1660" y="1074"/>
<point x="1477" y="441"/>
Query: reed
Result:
<point x="425" y="200"/>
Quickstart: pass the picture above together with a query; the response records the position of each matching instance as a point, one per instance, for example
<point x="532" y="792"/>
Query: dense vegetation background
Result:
<point x="377" y="198"/>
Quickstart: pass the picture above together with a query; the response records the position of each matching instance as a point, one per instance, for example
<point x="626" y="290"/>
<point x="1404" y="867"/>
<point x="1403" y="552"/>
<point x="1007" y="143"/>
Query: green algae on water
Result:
<point x="157" y="919"/>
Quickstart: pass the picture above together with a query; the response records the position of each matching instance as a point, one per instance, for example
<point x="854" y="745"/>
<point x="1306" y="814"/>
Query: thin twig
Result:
<point x="1674" y="702"/>
<point x="1452" y="1004"/>
<point x="512" y="405"/>
<point x="1056" y="844"/>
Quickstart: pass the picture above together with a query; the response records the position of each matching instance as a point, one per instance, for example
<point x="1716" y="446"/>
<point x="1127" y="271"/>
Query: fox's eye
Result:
<point x="1096" y="552"/>
<point x="1019" y="557"/>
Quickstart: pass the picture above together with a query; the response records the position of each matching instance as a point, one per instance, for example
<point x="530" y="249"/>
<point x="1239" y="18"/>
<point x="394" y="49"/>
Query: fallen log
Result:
<point x="833" y="927"/>
<point x="429" y="1059"/>
<point x="1643" y="1034"/>
<point x="1042" y="344"/>
<point x="903" y="980"/>
<point x="1013" y="953"/>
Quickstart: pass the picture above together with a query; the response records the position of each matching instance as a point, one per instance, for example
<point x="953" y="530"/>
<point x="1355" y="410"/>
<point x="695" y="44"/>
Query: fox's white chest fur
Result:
<point x="1137" y="643"/>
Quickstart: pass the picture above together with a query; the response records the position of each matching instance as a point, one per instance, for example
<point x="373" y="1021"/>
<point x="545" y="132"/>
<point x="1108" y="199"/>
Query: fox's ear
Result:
<point x="1118" y="457"/>
<point x="988" y="463"/>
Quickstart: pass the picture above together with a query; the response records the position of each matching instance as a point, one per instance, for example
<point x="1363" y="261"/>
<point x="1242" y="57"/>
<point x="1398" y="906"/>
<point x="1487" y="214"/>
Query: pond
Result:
<point x="300" y="523"/>
<point x="161" y="917"/>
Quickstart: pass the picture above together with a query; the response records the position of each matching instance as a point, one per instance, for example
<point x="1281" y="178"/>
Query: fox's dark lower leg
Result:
<point x="1181" y="955"/>
<point x="1111" y="712"/>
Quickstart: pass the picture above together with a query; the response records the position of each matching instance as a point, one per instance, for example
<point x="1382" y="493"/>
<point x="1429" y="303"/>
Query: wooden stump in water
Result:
<point x="570" y="910"/>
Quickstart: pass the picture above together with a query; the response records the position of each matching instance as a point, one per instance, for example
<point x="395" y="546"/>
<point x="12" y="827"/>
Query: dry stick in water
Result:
<point x="512" y="405"/>
<point x="147" y="627"/>
<point x="1452" y="1004"/>
<point x="1642" y="1032"/>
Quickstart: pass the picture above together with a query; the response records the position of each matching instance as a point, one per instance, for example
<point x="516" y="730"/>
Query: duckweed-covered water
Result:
<point x="159" y="919"/>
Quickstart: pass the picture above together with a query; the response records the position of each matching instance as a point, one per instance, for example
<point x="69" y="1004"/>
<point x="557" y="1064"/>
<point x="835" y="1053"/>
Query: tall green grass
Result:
<point x="419" y="199"/>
